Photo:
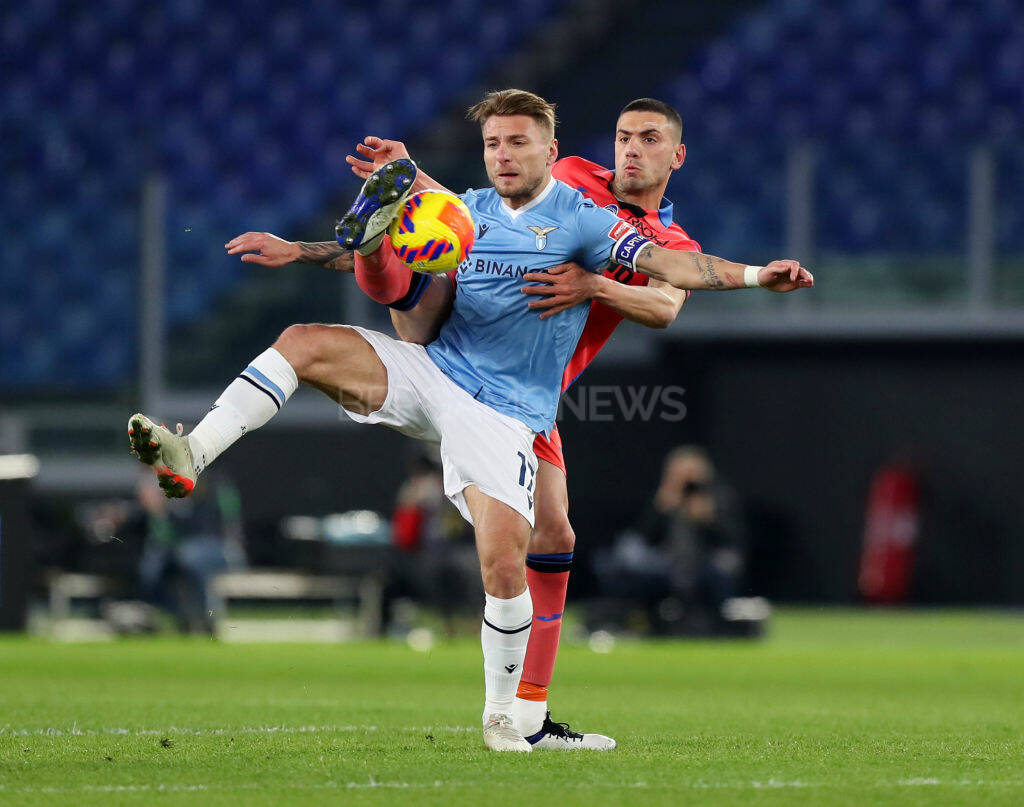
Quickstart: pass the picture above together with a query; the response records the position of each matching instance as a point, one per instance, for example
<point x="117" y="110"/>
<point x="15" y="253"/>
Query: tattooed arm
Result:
<point x="269" y="250"/>
<point x="695" y="270"/>
<point x="326" y="253"/>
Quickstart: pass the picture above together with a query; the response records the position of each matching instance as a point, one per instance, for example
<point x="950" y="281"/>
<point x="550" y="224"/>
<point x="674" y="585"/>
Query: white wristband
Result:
<point x="750" y="276"/>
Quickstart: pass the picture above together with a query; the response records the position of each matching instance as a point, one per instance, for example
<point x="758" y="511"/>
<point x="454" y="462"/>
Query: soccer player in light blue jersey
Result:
<point x="489" y="381"/>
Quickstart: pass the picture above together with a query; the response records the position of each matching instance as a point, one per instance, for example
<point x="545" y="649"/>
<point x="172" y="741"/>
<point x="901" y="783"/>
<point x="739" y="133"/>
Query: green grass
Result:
<point x="836" y="708"/>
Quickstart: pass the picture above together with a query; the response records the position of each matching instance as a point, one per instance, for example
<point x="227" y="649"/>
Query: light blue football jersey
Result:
<point x="495" y="347"/>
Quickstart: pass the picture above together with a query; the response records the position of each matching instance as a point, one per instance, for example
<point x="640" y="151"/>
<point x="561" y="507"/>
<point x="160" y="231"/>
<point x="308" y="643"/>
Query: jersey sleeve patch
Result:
<point x="619" y="230"/>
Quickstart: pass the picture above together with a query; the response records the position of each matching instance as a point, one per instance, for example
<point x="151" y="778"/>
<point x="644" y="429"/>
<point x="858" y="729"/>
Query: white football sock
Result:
<point x="528" y="716"/>
<point x="504" y="635"/>
<point x="249" y="401"/>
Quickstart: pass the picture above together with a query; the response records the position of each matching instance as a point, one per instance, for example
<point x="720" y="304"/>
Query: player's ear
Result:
<point x="553" y="152"/>
<point x="680" y="156"/>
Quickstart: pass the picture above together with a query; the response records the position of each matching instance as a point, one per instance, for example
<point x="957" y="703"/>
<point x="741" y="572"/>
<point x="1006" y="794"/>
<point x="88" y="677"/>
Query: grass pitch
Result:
<point x="836" y="708"/>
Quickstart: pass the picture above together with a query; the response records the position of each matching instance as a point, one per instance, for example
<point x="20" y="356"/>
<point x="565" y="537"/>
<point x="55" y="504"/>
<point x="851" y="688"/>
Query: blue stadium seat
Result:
<point x="874" y="74"/>
<point x="249" y="112"/>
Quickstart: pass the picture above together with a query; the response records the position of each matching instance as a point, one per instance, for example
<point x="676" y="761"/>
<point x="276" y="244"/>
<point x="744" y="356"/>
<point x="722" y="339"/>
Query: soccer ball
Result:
<point x="433" y="232"/>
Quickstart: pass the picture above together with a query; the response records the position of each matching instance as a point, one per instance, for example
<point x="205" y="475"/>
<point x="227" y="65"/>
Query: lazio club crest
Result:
<point x="542" y="235"/>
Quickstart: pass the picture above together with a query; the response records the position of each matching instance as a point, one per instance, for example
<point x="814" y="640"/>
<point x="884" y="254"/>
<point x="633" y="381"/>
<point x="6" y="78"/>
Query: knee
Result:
<point x="504" y="575"/>
<point x="302" y="346"/>
<point x="553" y="537"/>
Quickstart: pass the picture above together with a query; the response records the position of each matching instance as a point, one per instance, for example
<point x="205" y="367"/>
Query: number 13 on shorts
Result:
<point x="527" y="474"/>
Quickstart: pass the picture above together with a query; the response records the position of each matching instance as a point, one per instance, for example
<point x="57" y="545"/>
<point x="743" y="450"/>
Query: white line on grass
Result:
<point x="76" y="731"/>
<point x="773" y="784"/>
<point x="770" y="784"/>
<point x="373" y="783"/>
<point x="166" y="788"/>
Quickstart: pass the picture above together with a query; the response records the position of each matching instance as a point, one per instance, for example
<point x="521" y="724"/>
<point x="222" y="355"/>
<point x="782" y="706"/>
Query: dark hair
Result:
<point x="514" y="102"/>
<point x="654" y="105"/>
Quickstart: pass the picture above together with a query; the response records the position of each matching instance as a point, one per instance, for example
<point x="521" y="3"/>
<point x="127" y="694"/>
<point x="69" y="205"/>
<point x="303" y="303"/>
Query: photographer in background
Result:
<point x="435" y="565"/>
<point x="684" y="555"/>
<point x="185" y="545"/>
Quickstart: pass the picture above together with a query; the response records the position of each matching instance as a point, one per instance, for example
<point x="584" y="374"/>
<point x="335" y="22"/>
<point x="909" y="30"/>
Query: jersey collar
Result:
<point x="664" y="209"/>
<point x="536" y="200"/>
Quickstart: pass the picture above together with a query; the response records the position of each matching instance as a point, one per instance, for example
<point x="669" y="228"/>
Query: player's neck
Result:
<point x="649" y="199"/>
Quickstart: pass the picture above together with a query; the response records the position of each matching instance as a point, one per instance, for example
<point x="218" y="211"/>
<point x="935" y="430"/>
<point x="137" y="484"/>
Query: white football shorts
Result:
<point x="479" y="445"/>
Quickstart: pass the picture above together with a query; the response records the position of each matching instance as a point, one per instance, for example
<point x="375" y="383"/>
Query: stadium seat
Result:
<point x="868" y="75"/>
<point x="249" y="116"/>
<point x="249" y="122"/>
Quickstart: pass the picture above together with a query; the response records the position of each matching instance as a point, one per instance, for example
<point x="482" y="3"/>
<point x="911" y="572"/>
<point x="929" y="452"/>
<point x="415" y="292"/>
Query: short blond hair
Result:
<point x="515" y="102"/>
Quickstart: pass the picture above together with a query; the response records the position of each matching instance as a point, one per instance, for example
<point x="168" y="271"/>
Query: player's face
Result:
<point x="647" y="151"/>
<point x="518" y="153"/>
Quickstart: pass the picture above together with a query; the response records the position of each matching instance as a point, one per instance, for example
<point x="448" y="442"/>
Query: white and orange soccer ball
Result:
<point x="433" y="232"/>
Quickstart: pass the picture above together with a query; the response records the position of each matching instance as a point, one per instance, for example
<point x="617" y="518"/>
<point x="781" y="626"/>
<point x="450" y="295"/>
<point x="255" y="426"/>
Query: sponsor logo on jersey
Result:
<point x="482" y="266"/>
<point x="619" y="230"/>
<point x="612" y="207"/>
<point x="481" y="230"/>
<point x="542" y="235"/>
<point x="645" y="229"/>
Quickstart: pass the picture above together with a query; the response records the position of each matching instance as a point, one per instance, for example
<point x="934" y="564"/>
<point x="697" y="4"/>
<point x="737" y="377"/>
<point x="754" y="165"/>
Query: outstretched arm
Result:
<point x="695" y="270"/>
<point x="420" y="325"/>
<point x="267" y="249"/>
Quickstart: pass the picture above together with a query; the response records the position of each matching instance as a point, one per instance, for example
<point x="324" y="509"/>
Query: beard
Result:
<point x="521" y="194"/>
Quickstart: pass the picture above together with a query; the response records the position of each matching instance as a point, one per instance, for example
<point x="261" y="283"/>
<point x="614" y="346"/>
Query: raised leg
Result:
<point x="339" y="362"/>
<point x="332" y="358"/>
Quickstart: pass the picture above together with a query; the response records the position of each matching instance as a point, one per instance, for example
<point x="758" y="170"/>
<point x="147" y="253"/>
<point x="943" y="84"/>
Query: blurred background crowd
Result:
<point x="858" y="443"/>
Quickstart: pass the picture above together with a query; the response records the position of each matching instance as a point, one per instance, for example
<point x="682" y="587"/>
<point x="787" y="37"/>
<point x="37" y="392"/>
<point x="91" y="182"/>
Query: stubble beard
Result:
<point x="622" y="185"/>
<point x="523" y="194"/>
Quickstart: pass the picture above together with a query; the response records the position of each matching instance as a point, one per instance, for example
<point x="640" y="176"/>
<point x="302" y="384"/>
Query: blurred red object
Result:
<point x="407" y="527"/>
<point x="891" y="532"/>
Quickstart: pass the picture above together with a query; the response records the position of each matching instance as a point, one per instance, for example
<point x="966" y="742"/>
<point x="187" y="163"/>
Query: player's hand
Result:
<point x="263" y="248"/>
<point x="782" y="276"/>
<point x="564" y="286"/>
<point x="377" y="152"/>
